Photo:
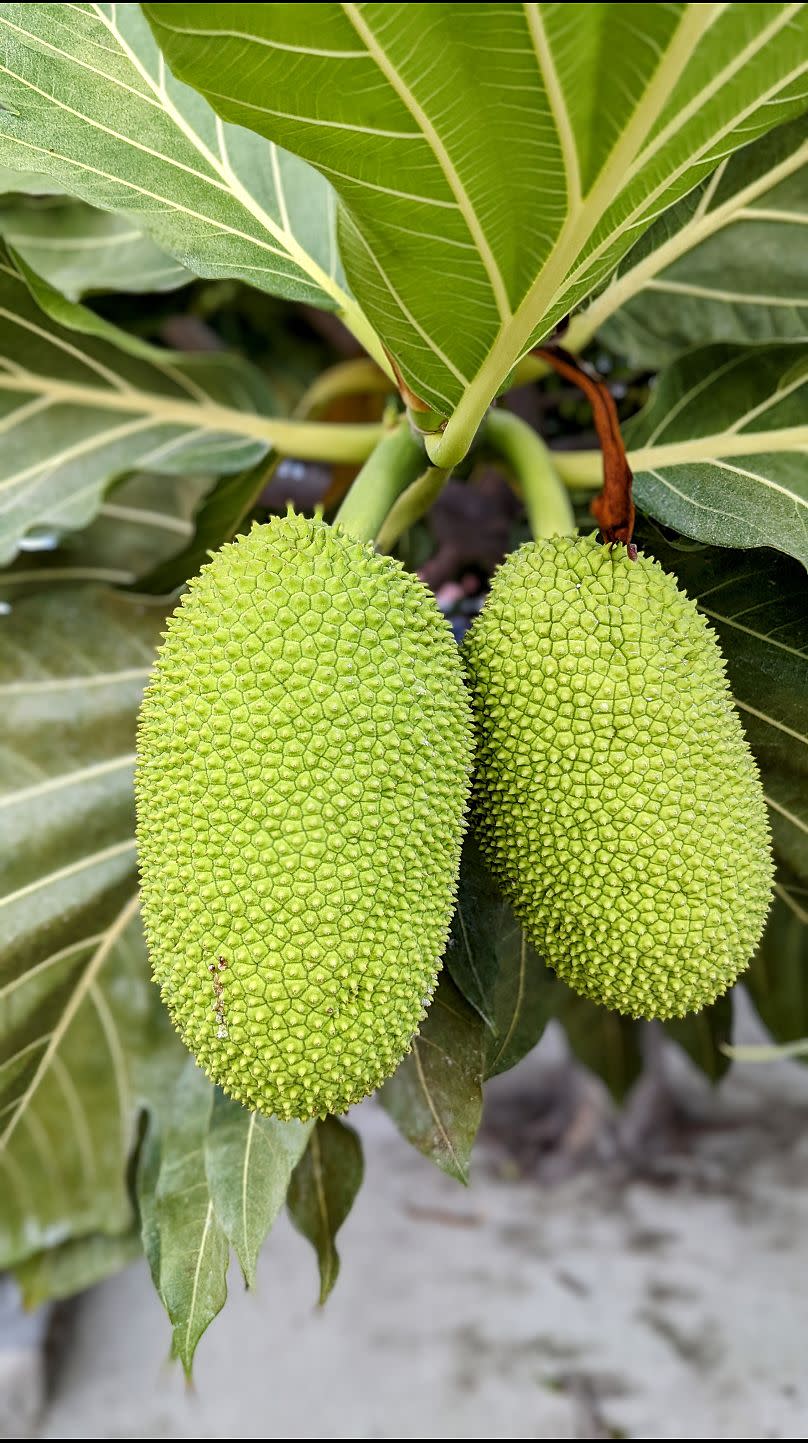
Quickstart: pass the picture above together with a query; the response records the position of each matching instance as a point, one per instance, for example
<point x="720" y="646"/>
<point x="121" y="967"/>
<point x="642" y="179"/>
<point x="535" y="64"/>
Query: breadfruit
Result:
<point x="304" y="755"/>
<point x="616" y="799"/>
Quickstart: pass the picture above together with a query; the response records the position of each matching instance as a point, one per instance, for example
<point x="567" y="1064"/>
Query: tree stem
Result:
<point x="531" y="464"/>
<point x="411" y="505"/>
<point x="390" y="469"/>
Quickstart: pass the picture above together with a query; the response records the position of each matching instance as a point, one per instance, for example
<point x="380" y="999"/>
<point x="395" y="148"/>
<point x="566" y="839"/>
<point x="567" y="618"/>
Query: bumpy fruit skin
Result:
<point x="616" y="797"/>
<point x="303" y="771"/>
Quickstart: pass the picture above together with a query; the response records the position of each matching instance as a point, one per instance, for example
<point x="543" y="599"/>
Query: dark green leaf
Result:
<point x="322" y="1191"/>
<point x="603" y="1041"/>
<point x="148" y="1172"/>
<point x="756" y="602"/>
<point x="249" y="1160"/>
<point x="778" y="977"/>
<point x="495" y="968"/>
<point x="471" y="952"/>
<point x="523" y="1000"/>
<point x="435" y="1098"/>
<point x="702" y="1035"/>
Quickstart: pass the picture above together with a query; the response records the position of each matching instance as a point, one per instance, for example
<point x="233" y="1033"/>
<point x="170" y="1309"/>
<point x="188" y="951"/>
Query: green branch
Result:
<point x="532" y="466"/>
<point x="411" y="505"/>
<point x="395" y="463"/>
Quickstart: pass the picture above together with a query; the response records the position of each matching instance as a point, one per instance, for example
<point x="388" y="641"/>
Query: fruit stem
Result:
<point x="613" y="508"/>
<point x="531" y="464"/>
<point x="411" y="505"/>
<point x="347" y="378"/>
<point x="396" y="462"/>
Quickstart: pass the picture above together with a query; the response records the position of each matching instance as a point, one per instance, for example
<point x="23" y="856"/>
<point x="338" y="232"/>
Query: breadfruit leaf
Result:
<point x="613" y="113"/>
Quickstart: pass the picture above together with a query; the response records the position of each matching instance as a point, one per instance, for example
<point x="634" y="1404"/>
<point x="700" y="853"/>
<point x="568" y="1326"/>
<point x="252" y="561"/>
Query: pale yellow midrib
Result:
<point x="584" y="468"/>
<point x="512" y="338"/>
<point x="555" y="95"/>
<point x="211" y="417"/>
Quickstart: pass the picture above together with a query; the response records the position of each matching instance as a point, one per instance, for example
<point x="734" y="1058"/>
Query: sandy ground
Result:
<point x="640" y="1277"/>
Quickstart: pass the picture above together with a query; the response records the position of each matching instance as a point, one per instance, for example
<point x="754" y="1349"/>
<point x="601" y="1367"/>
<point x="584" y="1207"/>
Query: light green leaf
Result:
<point x="322" y="1191"/>
<point x="143" y="521"/>
<point x="249" y="1161"/>
<point x="435" y="1098"/>
<point x="63" y="1271"/>
<point x="78" y="1014"/>
<point x="76" y="413"/>
<point x="193" y="1249"/>
<point x="26" y="182"/>
<point x="494" y="162"/>
<point x="83" y="251"/>
<point x="727" y="263"/>
<point x="719" y="452"/>
<point x="86" y="99"/>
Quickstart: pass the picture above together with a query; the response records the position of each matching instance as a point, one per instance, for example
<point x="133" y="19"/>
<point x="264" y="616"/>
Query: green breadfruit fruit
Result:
<point x="304" y="758"/>
<point x="616" y="798"/>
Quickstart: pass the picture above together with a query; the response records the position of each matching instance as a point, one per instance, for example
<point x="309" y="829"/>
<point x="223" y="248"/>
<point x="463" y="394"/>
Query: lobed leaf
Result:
<point x="80" y="1023"/>
<point x="78" y="411"/>
<point x="607" y="116"/>
<point x="726" y="263"/>
<point x="141" y="522"/>
<point x="87" y="100"/>
<point x="83" y="251"/>
<point x="719" y="451"/>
